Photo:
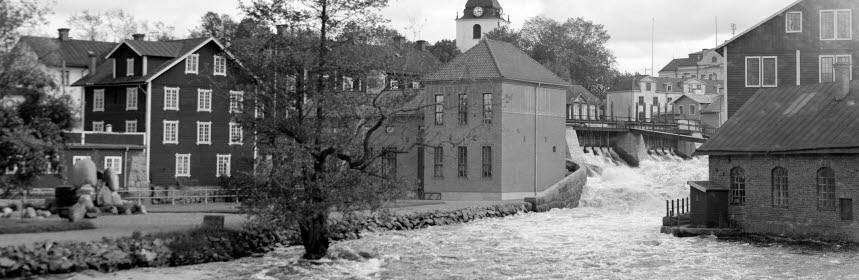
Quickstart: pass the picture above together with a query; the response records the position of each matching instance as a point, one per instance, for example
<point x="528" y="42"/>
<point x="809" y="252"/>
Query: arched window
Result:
<point x="779" y="184"/>
<point x="826" y="189"/>
<point x="476" y="31"/>
<point x="738" y="186"/>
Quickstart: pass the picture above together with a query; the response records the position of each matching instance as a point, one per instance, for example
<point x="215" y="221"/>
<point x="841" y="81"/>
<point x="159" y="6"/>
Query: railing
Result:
<point x="657" y="124"/>
<point x="184" y="196"/>
<point x="676" y="207"/>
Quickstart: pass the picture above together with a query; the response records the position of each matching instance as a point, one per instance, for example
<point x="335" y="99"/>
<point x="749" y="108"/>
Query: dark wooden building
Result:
<point x="797" y="45"/>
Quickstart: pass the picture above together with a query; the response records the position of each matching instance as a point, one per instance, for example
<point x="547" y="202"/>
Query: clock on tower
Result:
<point x="478" y="11"/>
<point x="479" y="17"/>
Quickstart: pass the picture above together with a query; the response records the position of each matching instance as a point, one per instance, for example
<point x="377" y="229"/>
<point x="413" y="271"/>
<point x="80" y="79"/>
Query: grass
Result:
<point x="12" y="226"/>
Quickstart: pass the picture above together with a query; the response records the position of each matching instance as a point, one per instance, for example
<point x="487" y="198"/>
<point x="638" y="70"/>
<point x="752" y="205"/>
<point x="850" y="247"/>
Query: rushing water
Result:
<point x="613" y="235"/>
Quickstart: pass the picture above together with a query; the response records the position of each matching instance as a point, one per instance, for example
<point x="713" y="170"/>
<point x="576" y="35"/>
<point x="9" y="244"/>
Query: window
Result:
<point x="220" y="66"/>
<point x="131" y="98"/>
<point x="836" y="24"/>
<point x="793" y="22"/>
<point x="183" y="165"/>
<point x="647" y="87"/>
<point x="697" y="86"/>
<point x="779" y="187"/>
<point x="235" y="134"/>
<point x="487" y="108"/>
<point x="827" y="66"/>
<point x="223" y="166"/>
<point x="98" y="126"/>
<point x="191" y="63"/>
<point x="131" y="126"/>
<point x="668" y="87"/>
<point x="462" y="162"/>
<point x="64" y="76"/>
<point x="761" y="71"/>
<point x="129" y="67"/>
<point x="439" y="109"/>
<point x="438" y="162"/>
<point x="171" y="132"/>
<point x="691" y="109"/>
<point x="476" y="33"/>
<point x="204" y="133"/>
<point x="394" y="84"/>
<point x="656" y="101"/>
<point x="738" y="186"/>
<point x="416" y="84"/>
<point x="641" y="101"/>
<point x="826" y="189"/>
<point x="204" y="100"/>
<point x="236" y="98"/>
<point x="114" y="163"/>
<point x="75" y="159"/>
<point x="487" y="162"/>
<point x="98" y="100"/>
<point x="463" y="108"/>
<point x="171" y="98"/>
<point x="389" y="163"/>
<point x="680" y="109"/>
<point x="348" y="83"/>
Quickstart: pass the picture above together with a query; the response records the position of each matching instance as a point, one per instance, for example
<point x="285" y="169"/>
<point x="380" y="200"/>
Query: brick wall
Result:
<point x="801" y="216"/>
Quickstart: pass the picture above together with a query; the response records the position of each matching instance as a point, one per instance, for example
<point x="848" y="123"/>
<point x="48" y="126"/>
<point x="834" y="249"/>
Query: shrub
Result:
<point x="11" y="226"/>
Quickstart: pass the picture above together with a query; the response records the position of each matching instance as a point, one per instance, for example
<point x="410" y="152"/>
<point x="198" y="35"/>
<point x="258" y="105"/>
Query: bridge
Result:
<point x="684" y="130"/>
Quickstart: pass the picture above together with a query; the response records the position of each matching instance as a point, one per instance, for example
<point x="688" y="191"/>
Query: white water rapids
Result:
<point x="614" y="234"/>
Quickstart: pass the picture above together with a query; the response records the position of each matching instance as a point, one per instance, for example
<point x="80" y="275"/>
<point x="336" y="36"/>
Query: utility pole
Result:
<point x="652" y="32"/>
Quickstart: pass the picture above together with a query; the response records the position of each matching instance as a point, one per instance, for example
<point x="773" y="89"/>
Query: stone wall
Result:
<point x="564" y="194"/>
<point x="630" y="146"/>
<point x="137" y="177"/>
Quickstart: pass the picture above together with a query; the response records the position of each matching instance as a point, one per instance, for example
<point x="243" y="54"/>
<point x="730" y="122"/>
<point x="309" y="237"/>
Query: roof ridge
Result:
<point x="526" y="55"/>
<point x="492" y="55"/>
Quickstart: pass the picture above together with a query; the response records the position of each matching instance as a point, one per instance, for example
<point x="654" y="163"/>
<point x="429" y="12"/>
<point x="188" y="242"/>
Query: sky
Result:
<point x="678" y="27"/>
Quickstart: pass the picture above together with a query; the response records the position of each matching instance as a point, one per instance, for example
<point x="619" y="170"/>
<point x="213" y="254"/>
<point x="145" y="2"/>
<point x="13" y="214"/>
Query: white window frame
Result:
<point x="117" y="167"/>
<point x="236" y="99"/>
<point x="787" y="22"/>
<point x="131" y="98"/>
<point x="170" y="140"/>
<point x="98" y="100"/>
<point x="183" y="159"/>
<point x="835" y="24"/>
<point x="75" y="159"/>
<point x="167" y="93"/>
<point x="237" y="130"/>
<point x="130" y="123"/>
<point x="220" y="62"/>
<point x="204" y="100"/>
<point x="226" y="159"/>
<point x="192" y="64"/>
<point x="834" y="61"/>
<point x="204" y="133"/>
<point x="760" y="71"/>
<point x="394" y="84"/>
<point x="129" y="67"/>
<point x="98" y="126"/>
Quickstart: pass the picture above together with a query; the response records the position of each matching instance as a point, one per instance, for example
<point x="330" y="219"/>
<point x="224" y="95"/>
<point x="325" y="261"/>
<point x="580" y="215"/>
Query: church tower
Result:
<point x="478" y="18"/>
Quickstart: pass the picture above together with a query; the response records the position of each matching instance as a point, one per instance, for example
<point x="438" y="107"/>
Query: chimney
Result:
<point x="63" y="34"/>
<point x="138" y="36"/>
<point x="92" y="60"/>
<point x="842" y="80"/>
<point x="421" y="45"/>
<point x="398" y="41"/>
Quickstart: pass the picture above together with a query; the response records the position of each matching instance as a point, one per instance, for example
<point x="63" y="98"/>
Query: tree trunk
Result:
<point x="314" y="235"/>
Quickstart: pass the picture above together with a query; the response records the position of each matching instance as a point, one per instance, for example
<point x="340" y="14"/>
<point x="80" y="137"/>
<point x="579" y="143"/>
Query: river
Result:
<point x="613" y="235"/>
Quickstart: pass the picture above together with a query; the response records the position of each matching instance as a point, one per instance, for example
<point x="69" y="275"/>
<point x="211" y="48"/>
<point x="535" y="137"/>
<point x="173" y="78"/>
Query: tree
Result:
<point x="15" y="14"/>
<point x="31" y="121"/>
<point x="222" y="27"/>
<point x="445" y="50"/>
<point x="88" y="25"/>
<point x="117" y="25"/>
<point x="575" y="49"/>
<point x="318" y="140"/>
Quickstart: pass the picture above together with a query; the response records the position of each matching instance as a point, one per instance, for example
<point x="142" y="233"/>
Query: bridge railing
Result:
<point x="657" y="124"/>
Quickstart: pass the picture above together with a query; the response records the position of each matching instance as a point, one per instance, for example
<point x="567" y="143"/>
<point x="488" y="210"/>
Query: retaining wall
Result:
<point x="564" y="194"/>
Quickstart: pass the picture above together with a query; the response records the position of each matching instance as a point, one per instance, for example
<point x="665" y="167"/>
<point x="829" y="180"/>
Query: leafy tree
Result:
<point x="88" y="25"/>
<point x="15" y="14"/>
<point x="220" y="26"/>
<point x="575" y="49"/>
<point x="117" y="25"/>
<point x="445" y="50"/>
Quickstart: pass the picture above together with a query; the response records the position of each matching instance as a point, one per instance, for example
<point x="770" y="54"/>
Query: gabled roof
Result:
<point x="791" y="119"/>
<point x="679" y="62"/>
<point x="104" y="73"/>
<point x="392" y="59"/>
<point x="53" y="51"/>
<point x="756" y="25"/>
<point x="576" y="91"/>
<point x="631" y="83"/>
<point x="491" y="59"/>
<point x="714" y="107"/>
<point x="700" y="98"/>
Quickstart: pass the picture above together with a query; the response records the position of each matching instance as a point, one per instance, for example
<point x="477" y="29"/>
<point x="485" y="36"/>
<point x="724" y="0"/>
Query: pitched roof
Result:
<point x="575" y="91"/>
<point x="104" y="72"/>
<point x="53" y="51"/>
<point x="631" y="83"/>
<point x="700" y="98"/>
<point x="756" y="25"/>
<point x="393" y="59"/>
<point x="491" y="59"/>
<point x="792" y="119"/>
<point x="714" y="107"/>
<point x="677" y="62"/>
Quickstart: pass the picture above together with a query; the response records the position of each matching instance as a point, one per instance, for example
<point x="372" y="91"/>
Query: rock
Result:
<point x="18" y="205"/>
<point x="91" y="215"/>
<point x="112" y="210"/>
<point x="6" y="211"/>
<point x="30" y="213"/>
<point x="111" y="180"/>
<point x="77" y="212"/>
<point x="140" y="209"/>
<point x="86" y="200"/>
<point x="15" y="215"/>
<point x="85" y="190"/>
<point x="83" y="173"/>
<point x="127" y="211"/>
<point x="45" y="213"/>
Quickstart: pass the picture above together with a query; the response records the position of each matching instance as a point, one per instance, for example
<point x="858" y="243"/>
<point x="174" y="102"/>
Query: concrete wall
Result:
<point x="633" y="145"/>
<point x="564" y="194"/>
<point x="801" y="216"/>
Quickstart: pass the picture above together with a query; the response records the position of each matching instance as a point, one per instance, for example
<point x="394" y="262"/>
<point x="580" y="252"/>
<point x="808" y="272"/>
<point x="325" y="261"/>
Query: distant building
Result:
<point x="504" y="138"/>
<point x="67" y="60"/>
<point x="797" y="45"/>
<point x="582" y="104"/>
<point x="643" y="97"/>
<point x="705" y="65"/>
<point x="479" y="17"/>
<point x="702" y="107"/>
<point x="788" y="160"/>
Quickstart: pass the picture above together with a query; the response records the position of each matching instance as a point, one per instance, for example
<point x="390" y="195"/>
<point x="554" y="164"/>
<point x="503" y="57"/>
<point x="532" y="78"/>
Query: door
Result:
<point x="847" y="209"/>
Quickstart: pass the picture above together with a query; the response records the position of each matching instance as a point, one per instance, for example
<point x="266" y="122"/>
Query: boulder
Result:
<point x="85" y="190"/>
<point x="91" y="215"/>
<point x="86" y="200"/>
<point x="111" y="179"/>
<point x="140" y="209"/>
<point x="6" y="211"/>
<point x="18" y="205"/>
<point x="15" y="215"/>
<point x="45" y="213"/>
<point x="83" y="173"/>
<point x="30" y="213"/>
<point x="77" y="212"/>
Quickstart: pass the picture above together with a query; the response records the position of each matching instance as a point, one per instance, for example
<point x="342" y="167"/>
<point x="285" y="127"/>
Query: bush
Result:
<point x="11" y="226"/>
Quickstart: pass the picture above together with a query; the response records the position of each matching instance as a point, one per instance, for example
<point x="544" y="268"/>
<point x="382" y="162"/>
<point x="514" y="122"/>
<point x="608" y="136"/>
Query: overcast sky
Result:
<point x="681" y="26"/>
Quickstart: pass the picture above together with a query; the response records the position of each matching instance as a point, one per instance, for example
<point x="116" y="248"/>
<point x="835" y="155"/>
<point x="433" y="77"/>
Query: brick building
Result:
<point x="788" y="158"/>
